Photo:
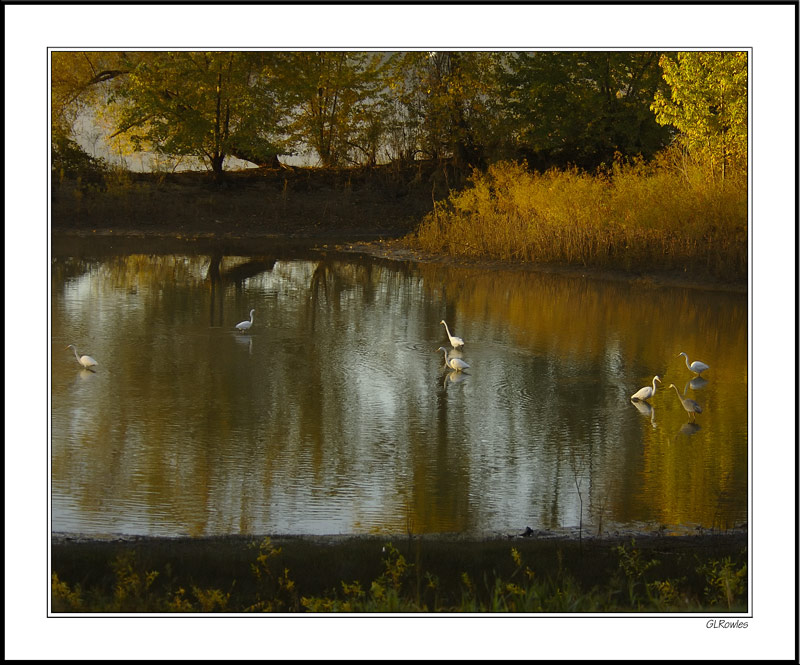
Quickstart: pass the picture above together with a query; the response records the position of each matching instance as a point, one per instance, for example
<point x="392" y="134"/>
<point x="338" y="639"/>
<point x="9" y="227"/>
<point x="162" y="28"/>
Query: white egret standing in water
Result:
<point x="697" y="367"/>
<point x="84" y="361"/>
<point x="453" y="363"/>
<point x="245" y="325"/>
<point x="455" y="341"/>
<point x="690" y="405"/>
<point x="647" y="392"/>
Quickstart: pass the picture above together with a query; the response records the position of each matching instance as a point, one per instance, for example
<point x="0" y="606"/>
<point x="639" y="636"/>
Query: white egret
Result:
<point x="245" y="325"/>
<point x="83" y="361"/>
<point x="697" y="367"/>
<point x="647" y="392"/>
<point x="453" y="363"/>
<point x="690" y="405"/>
<point x="455" y="341"/>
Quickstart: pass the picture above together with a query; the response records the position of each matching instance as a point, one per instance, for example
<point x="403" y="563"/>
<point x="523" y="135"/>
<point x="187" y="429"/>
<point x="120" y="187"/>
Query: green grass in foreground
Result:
<point x="639" y="216"/>
<point x="401" y="587"/>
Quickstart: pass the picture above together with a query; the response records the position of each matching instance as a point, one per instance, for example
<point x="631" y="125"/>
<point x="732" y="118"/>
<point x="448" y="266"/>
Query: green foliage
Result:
<point x="444" y="100"/>
<point x="636" y="586"/>
<point x="667" y="594"/>
<point x="468" y="108"/>
<point x="707" y="104"/>
<point x="211" y="600"/>
<point x="581" y="108"/>
<point x="724" y="583"/>
<point x="178" y="603"/>
<point x="332" y="103"/>
<point x="634" y="566"/>
<point x="133" y="585"/>
<point x="208" y="105"/>
<point x="68" y="159"/>
<point x="275" y="590"/>
<point x="64" y="599"/>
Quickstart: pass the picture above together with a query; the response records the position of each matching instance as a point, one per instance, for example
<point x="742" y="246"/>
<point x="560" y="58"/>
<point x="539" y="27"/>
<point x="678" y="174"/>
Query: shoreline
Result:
<point x="357" y="211"/>
<point x="386" y="245"/>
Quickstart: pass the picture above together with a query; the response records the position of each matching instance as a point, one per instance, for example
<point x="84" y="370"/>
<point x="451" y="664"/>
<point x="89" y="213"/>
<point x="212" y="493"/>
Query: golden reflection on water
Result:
<point x="683" y="480"/>
<point x="335" y="414"/>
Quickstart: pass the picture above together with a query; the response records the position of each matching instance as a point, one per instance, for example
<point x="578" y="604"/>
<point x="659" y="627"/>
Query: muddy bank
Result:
<point x="289" y="211"/>
<point x="399" y="249"/>
<point x="252" y="203"/>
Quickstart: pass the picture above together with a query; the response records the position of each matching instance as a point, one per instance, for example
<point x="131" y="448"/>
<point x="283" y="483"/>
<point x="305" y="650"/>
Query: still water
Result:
<point x="334" y="413"/>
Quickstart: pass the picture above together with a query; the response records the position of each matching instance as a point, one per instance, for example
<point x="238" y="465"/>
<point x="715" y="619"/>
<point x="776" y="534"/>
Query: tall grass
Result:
<point x="633" y="216"/>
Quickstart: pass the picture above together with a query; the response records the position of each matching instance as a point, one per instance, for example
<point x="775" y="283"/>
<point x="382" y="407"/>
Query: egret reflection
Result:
<point x="453" y="376"/>
<point x="689" y="428"/>
<point x="646" y="410"/>
<point x="697" y="383"/>
<point x="245" y="339"/>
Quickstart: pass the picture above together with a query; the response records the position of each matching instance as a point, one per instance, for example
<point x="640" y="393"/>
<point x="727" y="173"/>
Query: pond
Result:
<point x="334" y="413"/>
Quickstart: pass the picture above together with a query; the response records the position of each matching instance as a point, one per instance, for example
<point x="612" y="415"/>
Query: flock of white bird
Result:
<point x="87" y="362"/>
<point x="453" y="363"/>
<point x="457" y="364"/>
<point x="691" y="407"/>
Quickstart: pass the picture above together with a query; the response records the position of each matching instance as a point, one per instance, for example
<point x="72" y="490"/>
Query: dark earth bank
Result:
<point x="287" y="211"/>
<point x="319" y="564"/>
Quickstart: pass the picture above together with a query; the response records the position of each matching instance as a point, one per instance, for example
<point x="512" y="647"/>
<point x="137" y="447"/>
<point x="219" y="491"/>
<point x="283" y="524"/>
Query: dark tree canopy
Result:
<point x="468" y="108"/>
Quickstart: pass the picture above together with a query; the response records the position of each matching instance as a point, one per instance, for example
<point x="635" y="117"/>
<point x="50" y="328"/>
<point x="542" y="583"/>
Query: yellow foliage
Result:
<point x="632" y="216"/>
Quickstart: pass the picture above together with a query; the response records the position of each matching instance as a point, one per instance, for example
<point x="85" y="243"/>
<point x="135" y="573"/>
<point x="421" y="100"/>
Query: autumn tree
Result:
<point x="444" y="99"/>
<point x="332" y="102"/>
<point x="707" y="105"/>
<point x="209" y="105"/>
<point x="79" y="81"/>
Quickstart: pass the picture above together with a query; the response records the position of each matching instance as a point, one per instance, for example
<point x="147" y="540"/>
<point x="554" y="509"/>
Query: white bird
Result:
<point x="453" y="363"/>
<point x="84" y="361"/>
<point x="245" y="325"/>
<point x="697" y="367"/>
<point x="455" y="341"/>
<point x="690" y="405"/>
<point x="647" y="392"/>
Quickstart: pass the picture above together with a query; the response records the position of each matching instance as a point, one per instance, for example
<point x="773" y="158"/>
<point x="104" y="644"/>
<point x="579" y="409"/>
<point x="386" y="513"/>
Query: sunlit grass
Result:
<point x="633" y="217"/>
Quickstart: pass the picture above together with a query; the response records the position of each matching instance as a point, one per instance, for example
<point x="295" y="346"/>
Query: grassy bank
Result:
<point x="649" y="574"/>
<point x="631" y="217"/>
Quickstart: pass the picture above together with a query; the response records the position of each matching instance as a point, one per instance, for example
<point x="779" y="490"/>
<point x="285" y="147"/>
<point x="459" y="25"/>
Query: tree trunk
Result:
<point x="216" y="168"/>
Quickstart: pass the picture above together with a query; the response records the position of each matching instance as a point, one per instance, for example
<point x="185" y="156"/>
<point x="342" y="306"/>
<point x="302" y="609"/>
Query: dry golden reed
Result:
<point x="631" y="216"/>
